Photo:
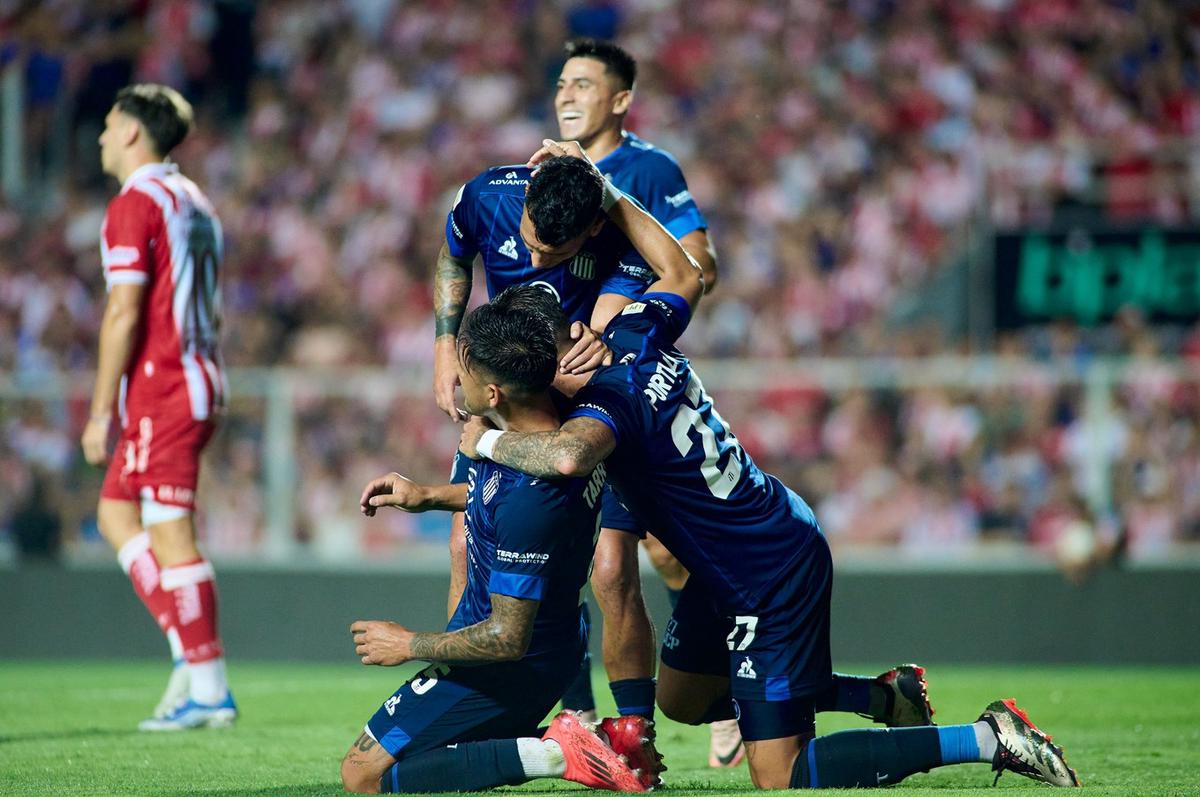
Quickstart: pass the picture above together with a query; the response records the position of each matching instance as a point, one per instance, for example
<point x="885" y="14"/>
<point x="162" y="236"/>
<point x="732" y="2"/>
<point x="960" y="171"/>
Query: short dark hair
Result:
<point x="162" y="110"/>
<point x="563" y="200"/>
<point x="615" y="59"/>
<point x="514" y="347"/>
<point x="538" y="301"/>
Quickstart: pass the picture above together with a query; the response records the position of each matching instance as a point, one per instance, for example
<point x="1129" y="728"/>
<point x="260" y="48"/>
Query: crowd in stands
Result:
<point x="839" y="150"/>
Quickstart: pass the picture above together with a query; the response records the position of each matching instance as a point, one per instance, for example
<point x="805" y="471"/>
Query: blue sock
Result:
<point x="634" y="696"/>
<point x="847" y="693"/>
<point x="467" y="766"/>
<point x="673" y="596"/>
<point x="958" y="743"/>
<point x="866" y="758"/>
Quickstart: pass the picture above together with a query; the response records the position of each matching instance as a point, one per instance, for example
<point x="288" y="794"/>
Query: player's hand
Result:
<point x="445" y="376"/>
<point x="95" y="440"/>
<point x="556" y="149"/>
<point x="468" y="442"/>
<point x="381" y="642"/>
<point x="588" y="353"/>
<point x="392" y="490"/>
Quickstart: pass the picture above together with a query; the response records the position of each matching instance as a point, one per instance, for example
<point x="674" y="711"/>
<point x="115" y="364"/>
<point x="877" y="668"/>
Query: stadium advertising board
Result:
<point x="1087" y="275"/>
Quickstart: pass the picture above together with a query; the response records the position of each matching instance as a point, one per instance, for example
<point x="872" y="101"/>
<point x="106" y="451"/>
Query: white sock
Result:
<point x="986" y="739"/>
<point x="176" y="646"/>
<point x="541" y="758"/>
<point x="208" y="683"/>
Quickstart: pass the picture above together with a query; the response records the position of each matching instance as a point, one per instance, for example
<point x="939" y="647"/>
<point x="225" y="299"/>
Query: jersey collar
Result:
<point x="156" y="169"/>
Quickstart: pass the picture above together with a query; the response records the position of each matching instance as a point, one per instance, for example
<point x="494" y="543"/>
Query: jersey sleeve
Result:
<point x="130" y="223"/>
<point x="631" y="275"/>
<point x="659" y="318"/>
<point x="461" y="228"/>
<point x="529" y="531"/>
<point x="668" y="199"/>
<point x="611" y="403"/>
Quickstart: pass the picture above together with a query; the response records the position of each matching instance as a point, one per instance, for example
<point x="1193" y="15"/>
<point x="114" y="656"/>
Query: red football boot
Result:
<point x="632" y="736"/>
<point x="589" y="760"/>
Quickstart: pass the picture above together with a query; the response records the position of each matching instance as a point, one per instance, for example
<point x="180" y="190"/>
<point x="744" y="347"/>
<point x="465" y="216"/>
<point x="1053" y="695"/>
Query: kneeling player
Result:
<point x="752" y="624"/>
<point x="469" y="721"/>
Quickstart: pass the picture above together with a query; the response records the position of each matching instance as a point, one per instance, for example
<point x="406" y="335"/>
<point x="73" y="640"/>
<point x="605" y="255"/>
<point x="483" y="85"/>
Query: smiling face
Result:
<point x="589" y="101"/>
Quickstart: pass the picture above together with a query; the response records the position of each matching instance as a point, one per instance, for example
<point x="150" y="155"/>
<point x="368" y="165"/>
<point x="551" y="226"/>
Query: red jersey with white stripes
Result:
<point x="162" y="232"/>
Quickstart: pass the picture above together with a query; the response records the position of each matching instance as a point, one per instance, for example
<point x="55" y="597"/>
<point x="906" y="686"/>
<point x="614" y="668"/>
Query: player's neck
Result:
<point x="605" y="142"/>
<point x="540" y="415"/>
<point x="134" y="162"/>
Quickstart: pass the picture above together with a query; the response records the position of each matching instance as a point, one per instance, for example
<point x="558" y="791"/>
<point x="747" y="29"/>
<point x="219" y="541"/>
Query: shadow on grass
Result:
<point x="76" y="733"/>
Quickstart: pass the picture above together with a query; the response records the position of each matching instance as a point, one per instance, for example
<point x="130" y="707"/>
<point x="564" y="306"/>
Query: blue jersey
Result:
<point x="680" y="469"/>
<point x="486" y="220"/>
<point x="653" y="178"/>
<point x="530" y="538"/>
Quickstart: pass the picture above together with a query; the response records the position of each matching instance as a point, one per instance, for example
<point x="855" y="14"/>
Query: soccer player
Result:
<point x="750" y="635"/>
<point x="469" y="721"/>
<point x="159" y="371"/>
<point x="595" y="91"/>
<point x="546" y="236"/>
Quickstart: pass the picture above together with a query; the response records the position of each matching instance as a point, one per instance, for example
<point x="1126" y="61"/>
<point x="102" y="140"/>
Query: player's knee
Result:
<point x="678" y="707"/>
<point x="358" y="778"/>
<point x="770" y="778"/>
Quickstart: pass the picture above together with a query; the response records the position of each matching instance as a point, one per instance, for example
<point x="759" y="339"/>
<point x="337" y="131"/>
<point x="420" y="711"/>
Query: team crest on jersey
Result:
<point x="746" y="669"/>
<point x="509" y="248"/>
<point x="490" y="487"/>
<point x="584" y="266"/>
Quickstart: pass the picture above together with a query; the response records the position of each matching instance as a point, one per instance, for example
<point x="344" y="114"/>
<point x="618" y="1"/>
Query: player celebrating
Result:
<point x="595" y="91"/>
<point x="518" y="628"/>
<point x="753" y="620"/>
<point x="547" y="236"/>
<point x="159" y="369"/>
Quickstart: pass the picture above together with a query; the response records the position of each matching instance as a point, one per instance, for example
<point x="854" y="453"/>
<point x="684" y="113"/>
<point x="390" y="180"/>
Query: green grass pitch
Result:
<point x="68" y="728"/>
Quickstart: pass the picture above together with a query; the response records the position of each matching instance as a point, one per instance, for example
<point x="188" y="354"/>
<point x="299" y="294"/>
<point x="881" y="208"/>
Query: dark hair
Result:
<point x="616" y="61"/>
<point x="563" y="199"/>
<point x="538" y="301"/>
<point x="162" y="110"/>
<point x="515" y="347"/>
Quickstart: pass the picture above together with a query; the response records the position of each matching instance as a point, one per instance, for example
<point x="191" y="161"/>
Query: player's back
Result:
<point x="486" y="220"/>
<point x="162" y="232"/>
<point x="679" y="467"/>
<point x="530" y="538"/>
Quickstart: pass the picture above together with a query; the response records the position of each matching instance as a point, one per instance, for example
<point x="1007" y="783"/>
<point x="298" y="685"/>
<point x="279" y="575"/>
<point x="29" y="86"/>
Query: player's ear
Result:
<point x="495" y="395"/>
<point x="621" y="101"/>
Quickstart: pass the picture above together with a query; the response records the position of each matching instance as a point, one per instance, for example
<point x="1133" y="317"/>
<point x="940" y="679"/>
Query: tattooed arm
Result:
<point x="574" y="449"/>
<point x="504" y="636"/>
<point x="451" y="291"/>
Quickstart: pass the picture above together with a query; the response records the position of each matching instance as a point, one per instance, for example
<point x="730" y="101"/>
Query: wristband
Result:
<point x="487" y="442"/>
<point x="612" y="195"/>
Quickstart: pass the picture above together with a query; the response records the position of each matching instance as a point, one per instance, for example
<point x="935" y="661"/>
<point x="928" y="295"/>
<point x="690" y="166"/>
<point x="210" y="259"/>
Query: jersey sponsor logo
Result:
<point x="454" y="226"/>
<point x="584" y="266"/>
<point x="676" y="200"/>
<point x="490" y="487"/>
<point x="634" y="308"/>
<point x="637" y="272"/>
<point x="510" y="178"/>
<point x="627" y="359"/>
<point x="168" y="494"/>
<point x="517" y="558"/>
<point x="670" y="641"/>
<point x="509" y="248"/>
<point x="390" y="705"/>
<point x="666" y="372"/>
<point x="595" y="486"/>
<point x="746" y="669"/>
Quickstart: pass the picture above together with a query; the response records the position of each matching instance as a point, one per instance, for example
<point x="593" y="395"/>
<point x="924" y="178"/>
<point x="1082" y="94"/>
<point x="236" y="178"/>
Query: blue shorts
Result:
<point x="613" y="514"/>
<point x="446" y="704"/>
<point x="776" y="655"/>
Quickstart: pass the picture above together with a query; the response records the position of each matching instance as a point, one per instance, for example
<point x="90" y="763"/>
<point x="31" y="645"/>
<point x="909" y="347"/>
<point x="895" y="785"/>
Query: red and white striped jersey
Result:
<point x="162" y="232"/>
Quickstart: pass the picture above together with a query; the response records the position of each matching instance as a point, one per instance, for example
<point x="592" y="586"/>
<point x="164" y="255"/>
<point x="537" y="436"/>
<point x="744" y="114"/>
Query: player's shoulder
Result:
<point x="503" y="179"/>
<point x="644" y="152"/>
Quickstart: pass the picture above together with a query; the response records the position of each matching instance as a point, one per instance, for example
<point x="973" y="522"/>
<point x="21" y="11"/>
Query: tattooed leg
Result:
<point x="364" y="765"/>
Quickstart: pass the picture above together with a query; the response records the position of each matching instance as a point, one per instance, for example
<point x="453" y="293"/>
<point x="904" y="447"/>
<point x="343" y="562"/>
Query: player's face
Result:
<point x="542" y="256"/>
<point x="587" y="101"/>
<point x="476" y="393"/>
<point x="116" y="128"/>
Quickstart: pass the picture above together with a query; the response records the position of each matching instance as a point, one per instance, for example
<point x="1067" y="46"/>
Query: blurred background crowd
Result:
<point x="843" y="152"/>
